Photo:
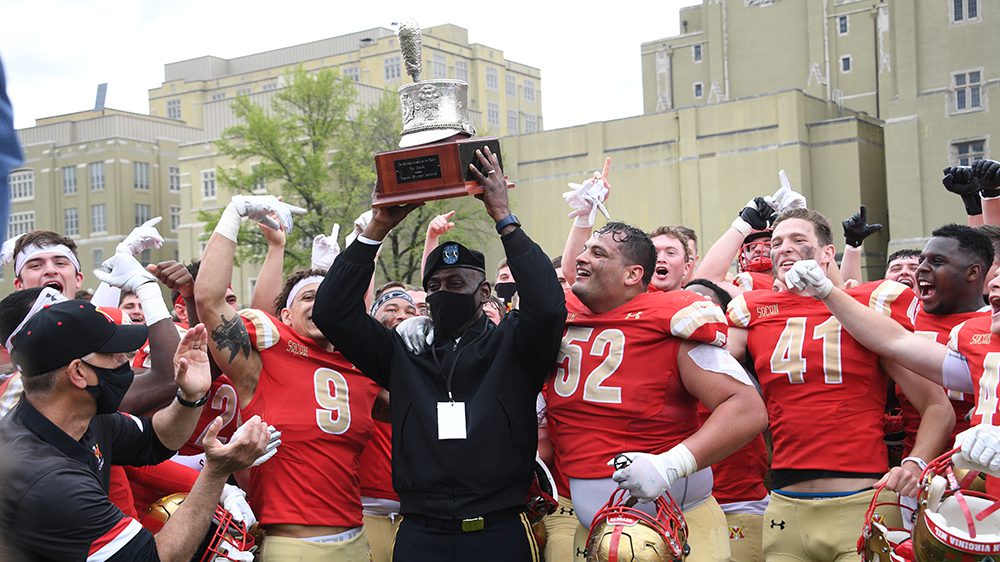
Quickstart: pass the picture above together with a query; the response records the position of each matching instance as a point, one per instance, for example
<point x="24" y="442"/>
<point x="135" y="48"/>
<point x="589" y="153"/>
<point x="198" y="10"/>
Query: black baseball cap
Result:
<point x="452" y="254"/>
<point x="68" y="330"/>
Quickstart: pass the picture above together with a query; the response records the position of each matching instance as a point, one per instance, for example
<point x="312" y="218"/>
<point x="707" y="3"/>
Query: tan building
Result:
<point x="95" y="175"/>
<point x="922" y="67"/>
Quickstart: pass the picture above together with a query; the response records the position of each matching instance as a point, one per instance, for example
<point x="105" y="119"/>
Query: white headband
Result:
<point x="31" y="250"/>
<point x="47" y="297"/>
<point x="298" y="287"/>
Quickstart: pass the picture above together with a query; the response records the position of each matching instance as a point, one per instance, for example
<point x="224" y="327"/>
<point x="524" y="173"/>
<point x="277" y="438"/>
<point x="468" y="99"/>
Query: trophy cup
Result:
<point x="437" y="144"/>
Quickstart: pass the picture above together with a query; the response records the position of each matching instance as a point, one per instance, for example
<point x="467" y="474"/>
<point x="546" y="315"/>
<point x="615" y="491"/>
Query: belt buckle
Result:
<point x="474" y="524"/>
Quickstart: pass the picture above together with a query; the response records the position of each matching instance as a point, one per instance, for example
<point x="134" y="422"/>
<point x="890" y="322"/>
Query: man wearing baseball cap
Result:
<point x="62" y="438"/>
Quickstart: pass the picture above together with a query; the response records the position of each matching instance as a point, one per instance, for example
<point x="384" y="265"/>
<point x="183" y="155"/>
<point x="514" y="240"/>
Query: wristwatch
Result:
<point x="507" y="221"/>
<point x="189" y="404"/>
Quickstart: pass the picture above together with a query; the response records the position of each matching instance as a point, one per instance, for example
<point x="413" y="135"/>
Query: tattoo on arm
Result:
<point x="232" y="335"/>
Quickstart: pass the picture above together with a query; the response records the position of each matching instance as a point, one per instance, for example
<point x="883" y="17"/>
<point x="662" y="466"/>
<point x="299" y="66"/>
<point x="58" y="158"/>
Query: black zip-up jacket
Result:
<point x="498" y="374"/>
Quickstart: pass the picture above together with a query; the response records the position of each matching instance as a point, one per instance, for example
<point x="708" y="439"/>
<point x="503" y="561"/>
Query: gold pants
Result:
<point x="381" y="531"/>
<point x="287" y="549"/>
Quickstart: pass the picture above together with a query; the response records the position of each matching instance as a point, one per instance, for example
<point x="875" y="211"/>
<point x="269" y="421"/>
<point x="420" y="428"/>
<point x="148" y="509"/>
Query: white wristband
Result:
<point x="153" y="307"/>
<point x="229" y="223"/>
<point x="741" y="226"/>
<point x="679" y="458"/>
<point x="916" y="460"/>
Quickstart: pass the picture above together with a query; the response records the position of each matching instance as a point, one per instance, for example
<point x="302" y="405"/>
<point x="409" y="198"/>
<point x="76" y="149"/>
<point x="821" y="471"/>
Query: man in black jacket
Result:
<point x="463" y="411"/>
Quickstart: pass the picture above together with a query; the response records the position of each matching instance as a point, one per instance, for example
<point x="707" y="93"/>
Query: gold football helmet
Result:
<point x="878" y="541"/>
<point x="954" y="523"/>
<point x="621" y="533"/>
<point x="226" y="539"/>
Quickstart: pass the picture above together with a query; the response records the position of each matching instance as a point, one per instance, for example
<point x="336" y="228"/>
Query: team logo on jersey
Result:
<point x="779" y="525"/>
<point x="96" y="450"/>
<point x="296" y="348"/>
<point x="981" y="339"/>
<point x="633" y="315"/>
<point x="571" y="316"/>
<point x="450" y="254"/>
<point x="736" y="533"/>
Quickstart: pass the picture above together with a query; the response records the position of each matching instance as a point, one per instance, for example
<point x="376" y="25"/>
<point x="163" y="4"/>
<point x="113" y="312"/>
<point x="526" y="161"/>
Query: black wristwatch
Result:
<point x="189" y="404"/>
<point x="507" y="221"/>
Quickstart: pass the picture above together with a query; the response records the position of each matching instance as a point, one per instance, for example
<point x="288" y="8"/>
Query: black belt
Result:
<point x="468" y="525"/>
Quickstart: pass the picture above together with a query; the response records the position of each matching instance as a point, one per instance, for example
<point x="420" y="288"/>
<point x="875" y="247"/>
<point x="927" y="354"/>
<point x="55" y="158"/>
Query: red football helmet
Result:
<point x="878" y="541"/>
<point x="621" y="533"/>
<point x="954" y="523"/>
<point x="226" y="539"/>
<point x="755" y="254"/>
<point x="543" y="499"/>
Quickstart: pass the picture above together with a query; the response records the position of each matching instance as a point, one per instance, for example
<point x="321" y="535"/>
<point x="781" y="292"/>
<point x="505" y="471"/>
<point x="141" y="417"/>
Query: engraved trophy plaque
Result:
<point x="437" y="144"/>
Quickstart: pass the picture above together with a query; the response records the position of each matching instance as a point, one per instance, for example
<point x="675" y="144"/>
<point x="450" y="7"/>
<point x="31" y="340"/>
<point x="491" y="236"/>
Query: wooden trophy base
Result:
<point x="429" y="172"/>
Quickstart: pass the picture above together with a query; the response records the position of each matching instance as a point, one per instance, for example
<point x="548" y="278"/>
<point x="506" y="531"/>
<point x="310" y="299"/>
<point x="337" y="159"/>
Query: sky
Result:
<point x="56" y="52"/>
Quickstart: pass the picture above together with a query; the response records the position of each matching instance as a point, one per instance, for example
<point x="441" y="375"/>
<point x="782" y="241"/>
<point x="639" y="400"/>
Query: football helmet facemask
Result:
<point x="878" y="541"/>
<point x="621" y="533"/>
<point x="755" y="253"/>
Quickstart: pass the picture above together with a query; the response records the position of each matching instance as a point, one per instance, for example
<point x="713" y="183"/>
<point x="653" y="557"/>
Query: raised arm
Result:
<point x="578" y="236"/>
<point x="987" y="173"/>
<point x="757" y="214"/>
<point x="269" y="279"/>
<point x="856" y="229"/>
<point x="584" y="199"/>
<point x="435" y="229"/>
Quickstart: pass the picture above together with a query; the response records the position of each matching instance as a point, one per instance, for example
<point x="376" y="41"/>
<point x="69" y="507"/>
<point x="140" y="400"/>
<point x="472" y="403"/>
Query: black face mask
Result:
<point x="506" y="290"/>
<point x="112" y="384"/>
<point x="450" y="311"/>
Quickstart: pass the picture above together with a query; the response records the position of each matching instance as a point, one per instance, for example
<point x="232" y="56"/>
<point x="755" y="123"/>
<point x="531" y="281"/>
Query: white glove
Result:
<point x="417" y="333"/>
<point x="273" y="442"/>
<point x="326" y="249"/>
<point x="586" y="199"/>
<point x="806" y="276"/>
<point x="647" y="476"/>
<point x="360" y="224"/>
<point x="785" y="198"/>
<point x="234" y="500"/>
<point x="142" y="237"/>
<point x="229" y="551"/>
<point x="7" y="251"/>
<point x="122" y="270"/>
<point x="980" y="449"/>
<point x="258" y="208"/>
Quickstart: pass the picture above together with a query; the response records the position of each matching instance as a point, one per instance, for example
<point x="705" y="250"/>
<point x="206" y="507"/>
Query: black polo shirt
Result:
<point x="54" y="504"/>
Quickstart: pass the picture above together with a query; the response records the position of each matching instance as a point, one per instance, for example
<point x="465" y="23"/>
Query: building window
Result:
<point x="440" y="67"/>
<point x="530" y="124"/>
<point x="845" y="64"/>
<point x="393" y="69"/>
<point x="208" y="190"/>
<point x="174" y="178"/>
<point x="174" y="109"/>
<point x="963" y="10"/>
<point x="140" y="175"/>
<point x="20" y="223"/>
<point x="98" y="256"/>
<point x="529" y="90"/>
<point x="98" y="219"/>
<point x="511" y="122"/>
<point x="511" y="85"/>
<point x="353" y="73"/>
<point x="22" y="185"/>
<point x="69" y="180"/>
<point x="175" y="217"/>
<point x="219" y="96"/>
<point x="967" y="94"/>
<point x="966" y="153"/>
<point x="142" y="212"/>
<point x="842" y="25"/>
<point x="493" y="114"/>
<point x="243" y="92"/>
<point x="696" y="53"/>
<point x="462" y="70"/>
<point x="268" y="86"/>
<point x="699" y="89"/>
<point x="71" y="222"/>
<point x="492" y="80"/>
<point x="96" y="176"/>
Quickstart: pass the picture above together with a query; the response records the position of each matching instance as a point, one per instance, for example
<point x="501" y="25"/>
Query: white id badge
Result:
<point x="451" y="420"/>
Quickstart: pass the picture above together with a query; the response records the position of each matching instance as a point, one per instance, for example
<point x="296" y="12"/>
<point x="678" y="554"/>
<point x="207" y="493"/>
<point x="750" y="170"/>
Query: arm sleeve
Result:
<point x="134" y="442"/>
<point x="340" y="314"/>
<point x="955" y="373"/>
<point x="67" y="516"/>
<point x="542" y="314"/>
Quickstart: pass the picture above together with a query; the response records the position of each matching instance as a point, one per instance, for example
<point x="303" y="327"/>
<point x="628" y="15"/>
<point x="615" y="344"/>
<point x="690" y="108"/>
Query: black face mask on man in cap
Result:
<point x="451" y="312"/>
<point x="112" y="384"/>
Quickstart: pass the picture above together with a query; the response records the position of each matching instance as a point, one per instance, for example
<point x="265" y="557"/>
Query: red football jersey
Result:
<point x="974" y="340"/>
<point x="376" y="464"/>
<point x="323" y="407"/>
<point x="818" y="381"/>
<point x="616" y="386"/>
<point x="740" y="476"/>
<point x="753" y="281"/>
<point x="222" y="401"/>
<point x="938" y="328"/>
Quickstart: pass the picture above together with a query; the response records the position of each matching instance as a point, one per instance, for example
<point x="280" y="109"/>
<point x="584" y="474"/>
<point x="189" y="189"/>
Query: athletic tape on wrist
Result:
<point x="153" y="307"/>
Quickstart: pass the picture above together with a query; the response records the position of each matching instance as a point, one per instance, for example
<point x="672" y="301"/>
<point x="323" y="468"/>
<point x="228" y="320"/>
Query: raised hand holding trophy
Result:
<point x="437" y="144"/>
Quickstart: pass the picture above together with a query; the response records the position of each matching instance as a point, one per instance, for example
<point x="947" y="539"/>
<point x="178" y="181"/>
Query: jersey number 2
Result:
<point x="334" y="412"/>
<point x="787" y="357"/>
<point x="610" y="341"/>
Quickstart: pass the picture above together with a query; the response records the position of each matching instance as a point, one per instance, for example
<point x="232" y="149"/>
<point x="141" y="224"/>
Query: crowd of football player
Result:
<point x="776" y="454"/>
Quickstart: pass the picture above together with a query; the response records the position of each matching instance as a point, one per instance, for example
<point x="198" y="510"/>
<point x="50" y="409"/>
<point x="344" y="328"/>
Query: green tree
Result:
<point x="315" y="146"/>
